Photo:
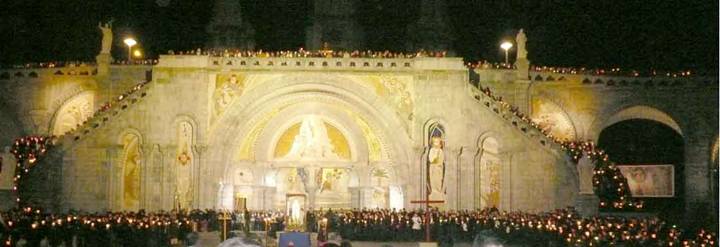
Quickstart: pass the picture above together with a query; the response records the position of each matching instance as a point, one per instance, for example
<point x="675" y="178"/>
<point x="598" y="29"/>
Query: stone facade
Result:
<point x="209" y="132"/>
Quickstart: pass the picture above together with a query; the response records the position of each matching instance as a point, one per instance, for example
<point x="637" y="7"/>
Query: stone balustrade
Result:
<point x="507" y="75"/>
<point x="522" y="125"/>
<point x="85" y="70"/>
<point x="311" y="63"/>
<point x="102" y="116"/>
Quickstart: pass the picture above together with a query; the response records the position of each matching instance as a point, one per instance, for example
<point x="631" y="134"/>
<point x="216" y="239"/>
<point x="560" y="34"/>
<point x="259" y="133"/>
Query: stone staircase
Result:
<point x="524" y="125"/>
<point x="104" y="115"/>
<point x="44" y="189"/>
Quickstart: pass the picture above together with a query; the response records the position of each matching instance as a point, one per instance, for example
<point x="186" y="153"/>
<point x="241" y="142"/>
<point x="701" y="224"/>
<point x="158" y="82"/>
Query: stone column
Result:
<point x="361" y="196"/>
<point x="697" y="182"/>
<point x="103" y="64"/>
<point x="310" y="184"/>
<point x="114" y="190"/>
<point x="196" y="183"/>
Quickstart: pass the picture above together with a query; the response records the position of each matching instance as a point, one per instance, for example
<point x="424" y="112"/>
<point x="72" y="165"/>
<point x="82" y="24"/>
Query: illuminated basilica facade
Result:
<point x="296" y="133"/>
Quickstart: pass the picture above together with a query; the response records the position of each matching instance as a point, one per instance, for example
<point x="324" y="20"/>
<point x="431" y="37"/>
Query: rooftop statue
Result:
<point x="107" y="37"/>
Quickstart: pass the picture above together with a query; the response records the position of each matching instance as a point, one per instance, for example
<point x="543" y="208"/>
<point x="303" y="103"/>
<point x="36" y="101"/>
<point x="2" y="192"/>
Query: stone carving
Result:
<point x="312" y="142"/>
<point x="107" y="37"/>
<point x="73" y="114"/>
<point x="398" y="95"/>
<point x="551" y="118"/>
<point x="226" y="92"/>
<point x="183" y="169"/>
<point x="329" y="179"/>
<point x="131" y="172"/>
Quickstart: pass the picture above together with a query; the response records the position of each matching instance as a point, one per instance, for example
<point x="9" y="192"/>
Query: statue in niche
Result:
<point x="131" y="172"/>
<point x="436" y="165"/>
<point x="107" y="37"/>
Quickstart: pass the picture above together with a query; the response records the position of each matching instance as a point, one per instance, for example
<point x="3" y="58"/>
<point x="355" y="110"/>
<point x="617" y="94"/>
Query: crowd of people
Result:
<point x="33" y="227"/>
<point x="562" y="227"/>
<point x="556" y="228"/>
<point x="53" y="64"/>
<point x="80" y="64"/>
<point x="325" y="52"/>
<point x="583" y="71"/>
<point x="507" y="107"/>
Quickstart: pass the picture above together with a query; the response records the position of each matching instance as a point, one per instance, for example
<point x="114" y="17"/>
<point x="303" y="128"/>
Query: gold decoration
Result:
<point x="184" y="158"/>
<point x="337" y="139"/>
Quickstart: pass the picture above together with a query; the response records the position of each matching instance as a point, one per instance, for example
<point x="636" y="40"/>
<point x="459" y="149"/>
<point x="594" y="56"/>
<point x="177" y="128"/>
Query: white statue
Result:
<point x="436" y="158"/>
<point x="107" y="37"/>
<point x="312" y="143"/>
<point x="521" y="39"/>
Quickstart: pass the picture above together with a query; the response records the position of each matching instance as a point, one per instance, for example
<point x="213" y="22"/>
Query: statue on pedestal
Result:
<point x="107" y="37"/>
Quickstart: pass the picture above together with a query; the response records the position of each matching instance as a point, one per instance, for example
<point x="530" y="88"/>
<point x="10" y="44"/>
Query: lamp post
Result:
<point x="130" y="42"/>
<point x="506" y="46"/>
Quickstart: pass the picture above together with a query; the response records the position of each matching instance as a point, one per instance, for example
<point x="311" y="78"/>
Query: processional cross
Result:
<point x="427" y="202"/>
<point x="224" y="217"/>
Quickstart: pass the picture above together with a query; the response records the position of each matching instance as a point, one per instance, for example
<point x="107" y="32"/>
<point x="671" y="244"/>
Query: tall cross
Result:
<point x="224" y="217"/>
<point x="427" y="202"/>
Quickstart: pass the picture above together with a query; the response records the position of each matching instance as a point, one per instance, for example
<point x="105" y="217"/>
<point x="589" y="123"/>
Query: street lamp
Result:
<point x="130" y="42"/>
<point x="506" y="46"/>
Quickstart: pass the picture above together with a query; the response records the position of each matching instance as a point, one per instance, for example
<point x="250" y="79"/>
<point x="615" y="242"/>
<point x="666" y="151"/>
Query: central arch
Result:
<point x="255" y="121"/>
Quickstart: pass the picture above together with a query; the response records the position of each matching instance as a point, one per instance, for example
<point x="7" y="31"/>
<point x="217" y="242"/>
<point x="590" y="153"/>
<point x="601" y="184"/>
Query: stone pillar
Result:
<point x="522" y="81"/>
<point x="697" y="182"/>
<point x="361" y="196"/>
<point x="269" y="198"/>
<point x="103" y="64"/>
<point x="114" y="177"/>
<point x="587" y="205"/>
<point x="310" y="185"/>
<point x="196" y="183"/>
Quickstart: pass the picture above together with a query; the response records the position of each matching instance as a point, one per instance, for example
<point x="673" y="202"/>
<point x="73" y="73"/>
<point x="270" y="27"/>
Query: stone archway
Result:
<point x="73" y="113"/>
<point x="634" y="112"/>
<point x="651" y="156"/>
<point x="258" y="118"/>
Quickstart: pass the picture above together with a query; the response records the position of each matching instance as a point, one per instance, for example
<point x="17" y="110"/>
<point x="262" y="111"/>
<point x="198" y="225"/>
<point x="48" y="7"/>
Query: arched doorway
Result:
<point x="265" y="128"/>
<point x="642" y="148"/>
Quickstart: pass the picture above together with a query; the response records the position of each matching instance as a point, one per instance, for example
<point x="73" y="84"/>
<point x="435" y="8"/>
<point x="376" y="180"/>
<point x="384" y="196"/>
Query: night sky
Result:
<point x="664" y="35"/>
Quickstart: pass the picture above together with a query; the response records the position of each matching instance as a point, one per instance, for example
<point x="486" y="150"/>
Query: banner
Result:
<point x="650" y="180"/>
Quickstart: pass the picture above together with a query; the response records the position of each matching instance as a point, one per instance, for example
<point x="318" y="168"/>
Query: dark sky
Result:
<point x="626" y="33"/>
